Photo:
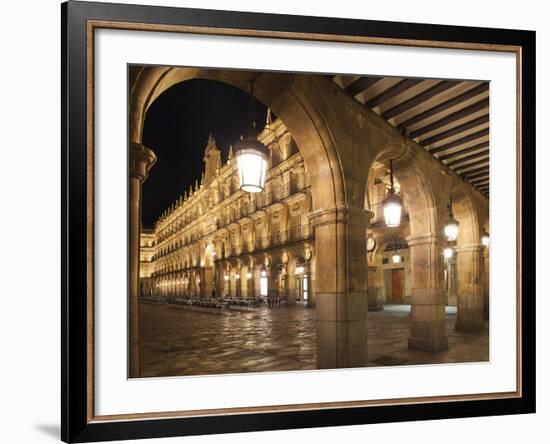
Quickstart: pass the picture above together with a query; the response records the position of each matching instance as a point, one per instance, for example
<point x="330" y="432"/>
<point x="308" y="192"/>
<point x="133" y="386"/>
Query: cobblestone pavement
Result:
<point x="178" y="341"/>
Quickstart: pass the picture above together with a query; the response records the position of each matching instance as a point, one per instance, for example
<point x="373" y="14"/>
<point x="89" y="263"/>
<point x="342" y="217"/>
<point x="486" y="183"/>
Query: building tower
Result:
<point x="212" y="160"/>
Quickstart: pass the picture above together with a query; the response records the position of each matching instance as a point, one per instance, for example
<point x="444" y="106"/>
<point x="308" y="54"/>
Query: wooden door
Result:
<point x="397" y="286"/>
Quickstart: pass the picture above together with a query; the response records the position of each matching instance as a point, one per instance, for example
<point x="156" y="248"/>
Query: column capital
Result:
<point x="469" y="248"/>
<point x="422" y="239"/>
<point x="340" y="214"/>
<point x="141" y="160"/>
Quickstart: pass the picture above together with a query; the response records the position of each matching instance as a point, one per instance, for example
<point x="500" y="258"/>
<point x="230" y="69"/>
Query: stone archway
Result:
<point x="339" y="140"/>
<point x="469" y="261"/>
<point x="419" y="177"/>
<point x="290" y="101"/>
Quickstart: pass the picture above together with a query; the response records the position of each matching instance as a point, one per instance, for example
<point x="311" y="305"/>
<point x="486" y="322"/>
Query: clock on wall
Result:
<point x="371" y="243"/>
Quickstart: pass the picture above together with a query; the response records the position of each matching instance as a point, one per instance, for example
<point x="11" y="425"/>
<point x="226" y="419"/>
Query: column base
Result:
<point x="374" y="299"/>
<point x="429" y="344"/>
<point x="341" y="330"/>
<point x="352" y="357"/>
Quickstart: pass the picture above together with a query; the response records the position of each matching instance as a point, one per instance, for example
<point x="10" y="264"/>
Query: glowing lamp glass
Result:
<point x="248" y="275"/>
<point x="252" y="159"/>
<point x="396" y="258"/>
<point x="451" y="230"/>
<point x="299" y="269"/>
<point x="448" y="252"/>
<point x="392" y="209"/>
<point x="485" y="239"/>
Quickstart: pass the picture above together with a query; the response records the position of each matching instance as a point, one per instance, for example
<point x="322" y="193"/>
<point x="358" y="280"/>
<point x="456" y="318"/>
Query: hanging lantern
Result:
<point x="485" y="238"/>
<point x="451" y="226"/>
<point x="392" y="204"/>
<point x="251" y="155"/>
<point x="395" y="257"/>
<point x="448" y="252"/>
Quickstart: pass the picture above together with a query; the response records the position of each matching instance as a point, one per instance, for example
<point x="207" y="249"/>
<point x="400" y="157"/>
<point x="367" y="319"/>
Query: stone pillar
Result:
<point x="286" y="293"/>
<point x="207" y="276"/>
<point x="451" y="281"/>
<point x="470" y="288"/>
<point x="486" y="283"/>
<point x="428" y="296"/>
<point x="311" y="297"/>
<point x="341" y="286"/>
<point x="374" y="290"/>
<point x="140" y="162"/>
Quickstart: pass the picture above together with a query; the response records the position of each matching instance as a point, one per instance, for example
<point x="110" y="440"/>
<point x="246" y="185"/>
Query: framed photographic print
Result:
<point x="277" y="221"/>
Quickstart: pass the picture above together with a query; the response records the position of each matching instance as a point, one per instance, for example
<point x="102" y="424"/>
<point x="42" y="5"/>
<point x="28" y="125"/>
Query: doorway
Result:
<point x="397" y="285"/>
<point x="301" y="288"/>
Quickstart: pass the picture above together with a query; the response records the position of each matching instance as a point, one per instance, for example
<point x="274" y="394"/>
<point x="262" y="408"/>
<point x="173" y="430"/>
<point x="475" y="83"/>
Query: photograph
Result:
<point x="283" y="221"/>
<point x="239" y="259"/>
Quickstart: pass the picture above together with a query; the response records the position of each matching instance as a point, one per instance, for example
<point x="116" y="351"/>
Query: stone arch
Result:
<point x="284" y="94"/>
<point x="466" y="213"/>
<point x="336" y="137"/>
<point x="468" y="209"/>
<point x="419" y="180"/>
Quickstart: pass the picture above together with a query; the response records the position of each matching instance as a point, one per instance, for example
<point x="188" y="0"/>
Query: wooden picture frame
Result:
<point x="79" y="22"/>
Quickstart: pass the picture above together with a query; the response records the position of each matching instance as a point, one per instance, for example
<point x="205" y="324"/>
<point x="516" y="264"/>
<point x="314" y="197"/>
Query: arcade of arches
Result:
<point x="301" y="245"/>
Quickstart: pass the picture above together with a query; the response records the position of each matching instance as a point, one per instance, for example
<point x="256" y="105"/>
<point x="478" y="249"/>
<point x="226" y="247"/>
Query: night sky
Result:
<point x="176" y="128"/>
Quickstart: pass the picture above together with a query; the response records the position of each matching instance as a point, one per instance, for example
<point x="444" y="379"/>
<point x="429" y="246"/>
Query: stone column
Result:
<point x="341" y="286"/>
<point x="287" y="294"/>
<point x="140" y="162"/>
<point x="470" y="288"/>
<point x="374" y="290"/>
<point x="311" y="297"/>
<point x="486" y="283"/>
<point x="451" y="281"/>
<point x="428" y="296"/>
<point x="207" y="276"/>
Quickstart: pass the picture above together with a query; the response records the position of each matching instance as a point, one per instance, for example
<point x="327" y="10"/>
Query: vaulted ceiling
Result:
<point x="448" y="118"/>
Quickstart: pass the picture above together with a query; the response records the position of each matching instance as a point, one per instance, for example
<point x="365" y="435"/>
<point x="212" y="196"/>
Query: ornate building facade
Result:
<point x="217" y="240"/>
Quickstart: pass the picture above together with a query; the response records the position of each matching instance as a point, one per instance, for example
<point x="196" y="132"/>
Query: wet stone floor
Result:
<point x="178" y="341"/>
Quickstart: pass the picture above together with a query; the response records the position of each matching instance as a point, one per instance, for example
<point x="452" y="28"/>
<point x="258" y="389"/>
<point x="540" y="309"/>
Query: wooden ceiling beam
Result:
<point x="461" y="141"/>
<point x="392" y="91"/>
<point x="471" y="149"/>
<point x="361" y="84"/>
<point x="460" y="114"/>
<point x="456" y="130"/>
<point x="468" y="174"/>
<point x="445" y="105"/>
<point x="483" y="154"/>
<point x="476" y="176"/>
<point x="483" y="178"/>
<point x="460" y="169"/>
<point x="481" y="184"/>
<point x="436" y="89"/>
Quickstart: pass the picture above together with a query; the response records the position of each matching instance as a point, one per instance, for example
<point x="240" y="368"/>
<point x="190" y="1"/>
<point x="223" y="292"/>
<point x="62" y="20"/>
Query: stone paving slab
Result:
<point x="180" y="342"/>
